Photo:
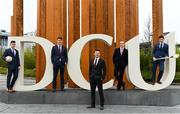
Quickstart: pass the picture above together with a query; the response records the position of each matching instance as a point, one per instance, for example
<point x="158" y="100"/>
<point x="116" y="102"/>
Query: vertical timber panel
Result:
<point x="157" y="19"/>
<point x="17" y="18"/>
<point x="74" y="28"/>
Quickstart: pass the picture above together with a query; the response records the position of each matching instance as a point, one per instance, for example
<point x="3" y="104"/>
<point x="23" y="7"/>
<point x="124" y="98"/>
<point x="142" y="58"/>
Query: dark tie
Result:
<point x="13" y="52"/>
<point x="95" y="62"/>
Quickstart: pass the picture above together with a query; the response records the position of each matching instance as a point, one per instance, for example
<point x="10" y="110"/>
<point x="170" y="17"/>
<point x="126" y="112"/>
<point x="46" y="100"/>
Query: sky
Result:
<point x="170" y="15"/>
<point x="30" y="15"/>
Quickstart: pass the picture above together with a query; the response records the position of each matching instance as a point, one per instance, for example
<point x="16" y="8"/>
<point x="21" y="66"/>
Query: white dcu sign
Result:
<point x="74" y="55"/>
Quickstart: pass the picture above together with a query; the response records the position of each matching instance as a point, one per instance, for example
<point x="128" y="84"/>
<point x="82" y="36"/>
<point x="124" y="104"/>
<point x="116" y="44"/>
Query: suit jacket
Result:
<point x="15" y="63"/>
<point x="120" y="60"/>
<point x="57" y="57"/>
<point x="159" y="52"/>
<point x="97" y="71"/>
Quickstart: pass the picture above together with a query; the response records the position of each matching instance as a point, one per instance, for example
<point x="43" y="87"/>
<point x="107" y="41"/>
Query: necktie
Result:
<point x="13" y="52"/>
<point x="60" y="48"/>
<point x="95" y="62"/>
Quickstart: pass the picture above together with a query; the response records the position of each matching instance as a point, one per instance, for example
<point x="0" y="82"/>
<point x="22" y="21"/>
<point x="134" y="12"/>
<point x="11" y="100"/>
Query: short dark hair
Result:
<point x="161" y="37"/>
<point x="13" y="41"/>
<point x="60" y="37"/>
<point x="97" y="49"/>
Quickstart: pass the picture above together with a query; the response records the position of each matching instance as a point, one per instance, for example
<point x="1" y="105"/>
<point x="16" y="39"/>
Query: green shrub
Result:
<point x="29" y="59"/>
<point x="2" y="62"/>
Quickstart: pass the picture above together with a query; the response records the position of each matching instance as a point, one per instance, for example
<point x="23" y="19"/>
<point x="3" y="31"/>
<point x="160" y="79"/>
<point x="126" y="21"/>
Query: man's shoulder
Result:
<point x="165" y="44"/>
<point x="8" y="49"/>
<point x="125" y="49"/>
<point x="102" y="60"/>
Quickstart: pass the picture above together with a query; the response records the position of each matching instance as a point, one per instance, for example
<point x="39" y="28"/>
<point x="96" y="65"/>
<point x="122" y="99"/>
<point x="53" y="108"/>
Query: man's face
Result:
<point x="59" y="41"/>
<point x="13" y="45"/>
<point x="122" y="44"/>
<point x="161" y="40"/>
<point x="97" y="54"/>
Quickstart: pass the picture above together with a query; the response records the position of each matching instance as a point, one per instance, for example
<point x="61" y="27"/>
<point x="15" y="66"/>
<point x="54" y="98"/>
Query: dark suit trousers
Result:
<point x="96" y="83"/>
<point x="118" y="73"/>
<point x="161" y="70"/>
<point x="56" y="68"/>
<point x="11" y="80"/>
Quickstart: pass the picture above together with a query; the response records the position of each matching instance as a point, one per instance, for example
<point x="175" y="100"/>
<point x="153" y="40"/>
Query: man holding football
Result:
<point x="11" y="56"/>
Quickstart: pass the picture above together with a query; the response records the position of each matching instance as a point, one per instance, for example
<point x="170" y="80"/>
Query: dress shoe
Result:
<point x="91" y="107"/>
<point x="53" y="90"/>
<point x="159" y="82"/>
<point x="123" y="85"/>
<point x="61" y="89"/>
<point x="101" y="107"/>
<point x="12" y="91"/>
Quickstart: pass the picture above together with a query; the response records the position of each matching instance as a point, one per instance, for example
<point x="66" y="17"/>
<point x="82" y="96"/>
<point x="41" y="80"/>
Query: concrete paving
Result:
<point x="56" y="108"/>
<point x="59" y="108"/>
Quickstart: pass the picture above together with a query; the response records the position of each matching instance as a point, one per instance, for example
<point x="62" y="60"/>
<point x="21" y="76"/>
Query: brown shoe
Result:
<point x="159" y="82"/>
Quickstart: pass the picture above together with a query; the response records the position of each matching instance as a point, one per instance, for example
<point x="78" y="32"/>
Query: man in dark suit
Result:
<point x="13" y="65"/>
<point x="59" y="60"/>
<point x="97" y="72"/>
<point x="120" y="60"/>
<point x="160" y="50"/>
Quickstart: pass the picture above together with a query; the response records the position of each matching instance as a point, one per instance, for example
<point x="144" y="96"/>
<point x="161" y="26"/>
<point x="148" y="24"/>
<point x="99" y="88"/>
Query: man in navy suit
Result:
<point x="160" y="50"/>
<point x="97" y="73"/>
<point x="120" y="60"/>
<point x="59" y="60"/>
<point x="13" y="66"/>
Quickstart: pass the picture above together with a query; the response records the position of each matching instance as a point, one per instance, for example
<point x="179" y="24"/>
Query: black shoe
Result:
<point x="91" y="107"/>
<point x="61" y="89"/>
<point x="101" y="107"/>
<point x="159" y="82"/>
<point x="53" y="90"/>
<point x="118" y="89"/>
<point x="123" y="85"/>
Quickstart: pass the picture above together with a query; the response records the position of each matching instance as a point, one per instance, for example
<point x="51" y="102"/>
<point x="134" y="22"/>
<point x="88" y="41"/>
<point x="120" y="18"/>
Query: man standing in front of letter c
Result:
<point x="59" y="59"/>
<point x="160" y="50"/>
<point x="97" y="72"/>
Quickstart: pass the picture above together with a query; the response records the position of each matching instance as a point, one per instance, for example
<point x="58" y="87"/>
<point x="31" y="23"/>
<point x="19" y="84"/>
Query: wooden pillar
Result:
<point x="74" y="27"/>
<point x="51" y="24"/>
<point x="97" y="17"/>
<point x="85" y="31"/>
<point x="17" y="18"/>
<point x="126" y="24"/>
<point x="41" y="31"/>
<point x="157" y="19"/>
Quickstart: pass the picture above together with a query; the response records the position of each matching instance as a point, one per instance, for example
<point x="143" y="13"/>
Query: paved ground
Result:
<point x="57" y="108"/>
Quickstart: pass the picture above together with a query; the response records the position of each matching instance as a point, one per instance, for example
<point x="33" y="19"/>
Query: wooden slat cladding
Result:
<point x="17" y="18"/>
<point x="97" y="17"/>
<point x="51" y="24"/>
<point x="157" y="19"/>
<point x="126" y="24"/>
<point x="74" y="27"/>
